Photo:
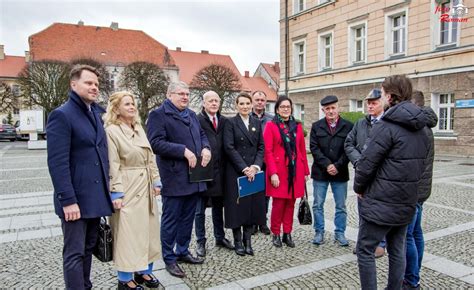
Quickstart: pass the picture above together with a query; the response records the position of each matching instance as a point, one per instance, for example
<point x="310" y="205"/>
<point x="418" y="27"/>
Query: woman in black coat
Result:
<point x="243" y="144"/>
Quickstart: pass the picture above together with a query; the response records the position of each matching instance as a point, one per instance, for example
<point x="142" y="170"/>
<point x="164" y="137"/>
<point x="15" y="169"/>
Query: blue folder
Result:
<point x="247" y="187"/>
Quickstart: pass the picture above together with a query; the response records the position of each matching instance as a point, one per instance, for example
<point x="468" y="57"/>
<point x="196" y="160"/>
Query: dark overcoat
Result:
<point x="215" y="137"/>
<point x="78" y="159"/>
<point x="328" y="149"/>
<point x="169" y="135"/>
<point x="243" y="148"/>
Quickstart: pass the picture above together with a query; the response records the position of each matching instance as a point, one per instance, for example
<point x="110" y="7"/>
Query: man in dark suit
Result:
<point x="213" y="124"/>
<point x="330" y="166"/>
<point x="259" y="102"/>
<point x="79" y="168"/>
<point x="177" y="139"/>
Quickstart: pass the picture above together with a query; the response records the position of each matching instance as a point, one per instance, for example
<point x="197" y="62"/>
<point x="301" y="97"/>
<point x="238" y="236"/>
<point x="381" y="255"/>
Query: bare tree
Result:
<point x="219" y="78"/>
<point x="7" y="99"/>
<point x="45" y="84"/>
<point x="148" y="82"/>
<point x="105" y="86"/>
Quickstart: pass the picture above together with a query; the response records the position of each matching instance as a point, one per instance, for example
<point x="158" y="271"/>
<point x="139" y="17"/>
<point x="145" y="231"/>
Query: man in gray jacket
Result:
<point x="357" y="138"/>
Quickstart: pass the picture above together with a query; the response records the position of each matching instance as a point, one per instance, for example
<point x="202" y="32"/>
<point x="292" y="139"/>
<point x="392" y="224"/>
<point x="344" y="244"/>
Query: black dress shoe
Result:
<point x="276" y="241"/>
<point x="288" y="240"/>
<point x="201" y="249"/>
<point x="248" y="247"/>
<point x="124" y="286"/>
<point x="239" y="248"/>
<point x="264" y="230"/>
<point x="152" y="283"/>
<point x="175" y="270"/>
<point x="225" y="243"/>
<point x="189" y="259"/>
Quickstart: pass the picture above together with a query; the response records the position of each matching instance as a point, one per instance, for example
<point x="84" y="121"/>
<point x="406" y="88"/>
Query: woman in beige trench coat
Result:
<point x="134" y="183"/>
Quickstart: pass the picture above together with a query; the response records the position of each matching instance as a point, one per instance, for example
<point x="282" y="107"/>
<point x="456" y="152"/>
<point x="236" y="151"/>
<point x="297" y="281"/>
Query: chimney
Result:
<point x="178" y="48"/>
<point x="2" y="52"/>
<point x="205" y="51"/>
<point x="247" y="74"/>
<point x="80" y="23"/>
<point x="27" y="56"/>
<point x="114" y="26"/>
<point x="277" y="66"/>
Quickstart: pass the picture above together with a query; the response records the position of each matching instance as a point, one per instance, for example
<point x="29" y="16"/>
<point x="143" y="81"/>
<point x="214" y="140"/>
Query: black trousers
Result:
<point x="80" y="237"/>
<point x="370" y="235"/>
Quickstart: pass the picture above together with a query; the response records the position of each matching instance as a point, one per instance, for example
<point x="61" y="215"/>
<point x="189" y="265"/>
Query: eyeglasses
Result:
<point x="284" y="107"/>
<point x="182" y="94"/>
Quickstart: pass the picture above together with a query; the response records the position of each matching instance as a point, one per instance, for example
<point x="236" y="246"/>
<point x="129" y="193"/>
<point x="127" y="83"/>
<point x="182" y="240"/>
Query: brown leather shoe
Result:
<point x="379" y="252"/>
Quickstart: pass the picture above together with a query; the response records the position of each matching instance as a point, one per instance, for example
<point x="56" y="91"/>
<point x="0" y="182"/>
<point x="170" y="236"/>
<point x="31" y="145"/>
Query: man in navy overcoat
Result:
<point x="79" y="168"/>
<point x="177" y="139"/>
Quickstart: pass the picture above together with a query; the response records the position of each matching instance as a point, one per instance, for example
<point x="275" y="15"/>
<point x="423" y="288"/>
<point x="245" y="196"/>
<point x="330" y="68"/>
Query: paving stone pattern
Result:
<point x="31" y="241"/>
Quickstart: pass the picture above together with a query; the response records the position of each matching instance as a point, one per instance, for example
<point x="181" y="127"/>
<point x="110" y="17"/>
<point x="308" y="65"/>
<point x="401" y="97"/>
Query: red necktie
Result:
<point x="214" y="123"/>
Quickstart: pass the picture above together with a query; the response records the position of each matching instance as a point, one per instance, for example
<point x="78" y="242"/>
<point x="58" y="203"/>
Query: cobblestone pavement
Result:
<point x="31" y="241"/>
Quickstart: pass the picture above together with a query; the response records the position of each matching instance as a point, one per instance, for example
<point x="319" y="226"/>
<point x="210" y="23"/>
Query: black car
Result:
<point x="7" y="131"/>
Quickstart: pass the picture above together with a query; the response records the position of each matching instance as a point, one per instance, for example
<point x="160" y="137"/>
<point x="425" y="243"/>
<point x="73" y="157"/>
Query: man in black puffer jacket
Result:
<point x="415" y="241"/>
<point x="387" y="179"/>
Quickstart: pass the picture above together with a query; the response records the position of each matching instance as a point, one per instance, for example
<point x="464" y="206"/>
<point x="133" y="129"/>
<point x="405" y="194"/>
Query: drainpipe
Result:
<point x="287" y="40"/>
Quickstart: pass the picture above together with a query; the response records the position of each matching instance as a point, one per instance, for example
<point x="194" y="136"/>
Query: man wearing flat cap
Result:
<point x="330" y="166"/>
<point x="358" y="137"/>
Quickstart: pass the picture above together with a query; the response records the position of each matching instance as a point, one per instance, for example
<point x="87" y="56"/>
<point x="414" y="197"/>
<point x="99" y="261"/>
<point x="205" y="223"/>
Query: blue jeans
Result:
<point x="127" y="276"/>
<point x="217" y="218"/>
<point x="415" y="248"/>
<point x="339" y="190"/>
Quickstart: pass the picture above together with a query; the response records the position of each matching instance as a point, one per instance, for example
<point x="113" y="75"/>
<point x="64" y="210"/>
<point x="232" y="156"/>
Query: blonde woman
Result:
<point x="134" y="183"/>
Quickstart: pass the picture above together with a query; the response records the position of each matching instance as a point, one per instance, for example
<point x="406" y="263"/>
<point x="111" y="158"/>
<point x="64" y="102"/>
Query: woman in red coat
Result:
<point x="287" y="168"/>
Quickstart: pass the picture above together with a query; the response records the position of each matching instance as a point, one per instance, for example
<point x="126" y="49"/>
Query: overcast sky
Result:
<point x="246" y="30"/>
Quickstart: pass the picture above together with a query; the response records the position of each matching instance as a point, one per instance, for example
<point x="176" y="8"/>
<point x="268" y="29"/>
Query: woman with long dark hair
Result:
<point x="287" y="168"/>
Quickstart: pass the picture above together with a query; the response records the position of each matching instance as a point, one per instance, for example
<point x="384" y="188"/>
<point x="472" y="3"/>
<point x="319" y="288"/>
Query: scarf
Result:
<point x="288" y="136"/>
<point x="184" y="114"/>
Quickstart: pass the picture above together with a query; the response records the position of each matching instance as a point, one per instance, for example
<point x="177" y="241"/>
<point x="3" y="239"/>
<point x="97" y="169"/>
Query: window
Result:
<point x="299" y="5"/>
<point x="299" y="57"/>
<point x="110" y="79"/>
<point x="16" y="90"/>
<point x="443" y="105"/>
<point x="398" y="34"/>
<point x="446" y="31"/>
<point x="356" y="105"/>
<point x="298" y="112"/>
<point x="326" y="51"/>
<point x="358" y="44"/>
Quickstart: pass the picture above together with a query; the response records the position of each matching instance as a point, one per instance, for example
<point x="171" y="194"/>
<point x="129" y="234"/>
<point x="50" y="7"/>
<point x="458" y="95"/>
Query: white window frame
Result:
<point x="450" y="106"/>
<point x="296" y="6"/>
<point x="322" y="50"/>
<point x="323" y="1"/>
<point x="296" y="57"/>
<point x="352" y="38"/>
<point x="436" y="27"/>
<point x="354" y="105"/>
<point x="389" y="19"/>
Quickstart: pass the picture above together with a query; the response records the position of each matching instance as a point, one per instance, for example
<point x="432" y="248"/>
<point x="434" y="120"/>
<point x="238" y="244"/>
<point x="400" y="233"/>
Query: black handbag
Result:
<point x="103" y="247"/>
<point x="304" y="211"/>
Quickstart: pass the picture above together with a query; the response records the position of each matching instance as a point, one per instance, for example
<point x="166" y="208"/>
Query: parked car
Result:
<point x="7" y="131"/>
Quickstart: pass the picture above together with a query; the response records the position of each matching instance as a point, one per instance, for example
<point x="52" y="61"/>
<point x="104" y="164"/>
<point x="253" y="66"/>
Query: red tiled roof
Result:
<point x="259" y="84"/>
<point x="189" y="63"/>
<point x="273" y="71"/>
<point x="11" y="66"/>
<point x="65" y="42"/>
